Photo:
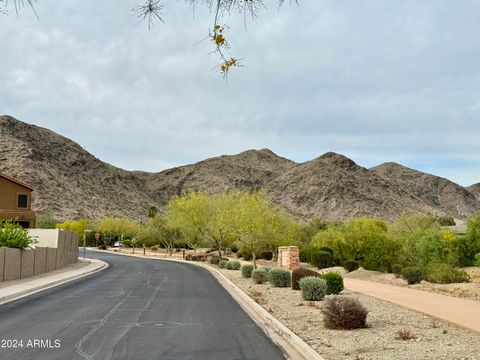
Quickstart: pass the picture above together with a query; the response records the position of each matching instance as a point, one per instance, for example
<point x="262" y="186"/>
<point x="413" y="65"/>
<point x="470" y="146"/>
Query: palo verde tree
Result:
<point x="152" y="11"/>
<point x="203" y="217"/>
<point x="258" y="225"/>
<point x="158" y="232"/>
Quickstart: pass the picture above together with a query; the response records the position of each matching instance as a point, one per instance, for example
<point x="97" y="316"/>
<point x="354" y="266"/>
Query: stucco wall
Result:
<point x="13" y="261"/>
<point x="40" y="260"/>
<point x="16" y="263"/>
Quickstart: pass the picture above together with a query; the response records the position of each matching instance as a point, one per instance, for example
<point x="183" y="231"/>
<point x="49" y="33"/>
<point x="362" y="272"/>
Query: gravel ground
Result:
<point x="433" y="339"/>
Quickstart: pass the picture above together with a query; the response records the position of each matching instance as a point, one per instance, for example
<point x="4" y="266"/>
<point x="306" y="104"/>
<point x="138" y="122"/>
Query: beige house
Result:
<point x="16" y="201"/>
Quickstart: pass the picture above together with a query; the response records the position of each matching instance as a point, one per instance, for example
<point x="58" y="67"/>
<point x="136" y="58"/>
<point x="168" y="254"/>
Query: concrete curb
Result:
<point x="293" y="347"/>
<point x="37" y="285"/>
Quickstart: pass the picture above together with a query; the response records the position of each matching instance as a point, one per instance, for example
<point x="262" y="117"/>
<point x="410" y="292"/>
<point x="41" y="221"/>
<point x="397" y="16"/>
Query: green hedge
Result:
<point x="334" y="282"/>
<point x="313" y="288"/>
<point x="247" y="271"/>
<point x="279" y="277"/>
<point x="259" y="276"/>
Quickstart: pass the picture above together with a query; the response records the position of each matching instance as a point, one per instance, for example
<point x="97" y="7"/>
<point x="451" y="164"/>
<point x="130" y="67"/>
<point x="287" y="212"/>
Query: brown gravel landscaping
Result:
<point x="387" y="323"/>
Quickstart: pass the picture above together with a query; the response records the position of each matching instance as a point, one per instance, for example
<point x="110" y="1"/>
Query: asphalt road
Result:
<point x="136" y="309"/>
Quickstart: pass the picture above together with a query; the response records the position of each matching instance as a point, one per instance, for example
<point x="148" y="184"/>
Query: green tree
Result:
<point x="362" y="240"/>
<point x="204" y="217"/>
<point x="158" y="232"/>
<point x="258" y="225"/>
<point x="46" y="221"/>
<point x="469" y="245"/>
<point x="112" y="228"/>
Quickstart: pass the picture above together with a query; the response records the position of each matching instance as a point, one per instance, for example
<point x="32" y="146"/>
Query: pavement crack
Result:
<point x="95" y="328"/>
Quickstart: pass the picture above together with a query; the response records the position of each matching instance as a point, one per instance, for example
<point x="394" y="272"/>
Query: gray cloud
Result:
<point x="376" y="80"/>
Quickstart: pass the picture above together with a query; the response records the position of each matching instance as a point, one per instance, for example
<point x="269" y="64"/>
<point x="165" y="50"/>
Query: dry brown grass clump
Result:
<point x="405" y="335"/>
<point x="343" y="313"/>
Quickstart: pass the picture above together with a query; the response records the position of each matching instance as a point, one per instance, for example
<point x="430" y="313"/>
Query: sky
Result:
<point x="375" y="80"/>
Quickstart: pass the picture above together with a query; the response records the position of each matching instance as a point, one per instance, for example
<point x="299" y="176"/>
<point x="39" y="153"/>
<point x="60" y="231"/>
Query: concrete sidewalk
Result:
<point x="461" y="312"/>
<point x="16" y="289"/>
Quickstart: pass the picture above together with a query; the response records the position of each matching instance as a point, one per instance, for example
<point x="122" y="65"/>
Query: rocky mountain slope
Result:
<point x="334" y="187"/>
<point x="68" y="181"/>
<point x="475" y="189"/>
<point x="71" y="183"/>
<point x="437" y="192"/>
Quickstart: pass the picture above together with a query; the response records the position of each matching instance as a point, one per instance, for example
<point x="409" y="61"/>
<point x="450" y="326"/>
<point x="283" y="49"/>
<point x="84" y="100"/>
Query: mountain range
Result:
<point x="69" y="182"/>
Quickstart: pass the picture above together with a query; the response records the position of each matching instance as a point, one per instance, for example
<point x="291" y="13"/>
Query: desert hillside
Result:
<point x="69" y="182"/>
<point x="437" y="192"/>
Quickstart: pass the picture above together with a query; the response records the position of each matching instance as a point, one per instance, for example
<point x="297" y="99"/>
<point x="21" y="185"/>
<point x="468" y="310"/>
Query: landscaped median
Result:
<point x="16" y="289"/>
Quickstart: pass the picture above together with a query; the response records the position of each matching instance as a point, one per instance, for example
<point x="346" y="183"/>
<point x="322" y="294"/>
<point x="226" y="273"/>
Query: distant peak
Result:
<point x="7" y="120"/>
<point x="338" y="159"/>
<point x="261" y="151"/>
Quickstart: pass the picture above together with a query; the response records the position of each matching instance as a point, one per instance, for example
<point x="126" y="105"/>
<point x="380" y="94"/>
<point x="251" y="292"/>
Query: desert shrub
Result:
<point x="154" y="248"/>
<point x="245" y="254"/>
<point x="247" y="271"/>
<point x="442" y="273"/>
<point x="413" y="274"/>
<point x="214" y="260"/>
<point x="259" y="276"/>
<point x="188" y="257"/>
<point x="300" y="273"/>
<point x="446" y="221"/>
<point x="477" y="259"/>
<point x="404" y="335"/>
<point x="313" y="288"/>
<point x="13" y="235"/>
<point x="397" y="270"/>
<point x="266" y="268"/>
<point x="351" y="265"/>
<point x="222" y="264"/>
<point x="334" y="282"/>
<point x="320" y="258"/>
<point x="233" y="265"/>
<point x="279" y="277"/>
<point x="343" y="313"/>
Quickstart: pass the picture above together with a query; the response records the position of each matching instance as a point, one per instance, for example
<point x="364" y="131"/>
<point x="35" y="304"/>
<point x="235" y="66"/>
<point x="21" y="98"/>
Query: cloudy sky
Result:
<point x="376" y="80"/>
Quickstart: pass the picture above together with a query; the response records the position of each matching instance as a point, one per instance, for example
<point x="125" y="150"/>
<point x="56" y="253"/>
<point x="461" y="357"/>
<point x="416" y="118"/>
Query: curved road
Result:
<point x="136" y="309"/>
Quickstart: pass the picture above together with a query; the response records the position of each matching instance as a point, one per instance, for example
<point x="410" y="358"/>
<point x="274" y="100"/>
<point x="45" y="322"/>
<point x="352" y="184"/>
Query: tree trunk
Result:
<point x="254" y="260"/>
<point x="219" y="249"/>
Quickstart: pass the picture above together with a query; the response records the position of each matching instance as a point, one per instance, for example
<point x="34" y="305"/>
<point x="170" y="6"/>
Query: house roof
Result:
<point x="16" y="181"/>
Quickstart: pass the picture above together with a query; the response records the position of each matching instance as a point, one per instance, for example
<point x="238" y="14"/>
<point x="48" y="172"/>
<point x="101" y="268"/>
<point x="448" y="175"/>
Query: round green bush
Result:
<point x="300" y="273"/>
<point x="413" y="274"/>
<point x="229" y="265"/>
<point x="442" y="273"/>
<point x="343" y="313"/>
<point x="247" y="271"/>
<point x="334" y="282"/>
<point x="259" y="276"/>
<point x="222" y="264"/>
<point x="266" y="268"/>
<point x="279" y="277"/>
<point x="233" y="265"/>
<point x="351" y="265"/>
<point x="313" y="288"/>
<point x="214" y="260"/>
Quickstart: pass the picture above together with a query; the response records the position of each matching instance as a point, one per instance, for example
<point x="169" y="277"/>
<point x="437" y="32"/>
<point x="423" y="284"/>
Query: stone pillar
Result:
<point x="289" y="257"/>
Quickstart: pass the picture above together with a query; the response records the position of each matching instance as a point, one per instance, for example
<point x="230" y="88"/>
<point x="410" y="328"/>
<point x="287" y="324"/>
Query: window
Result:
<point x="23" y="201"/>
